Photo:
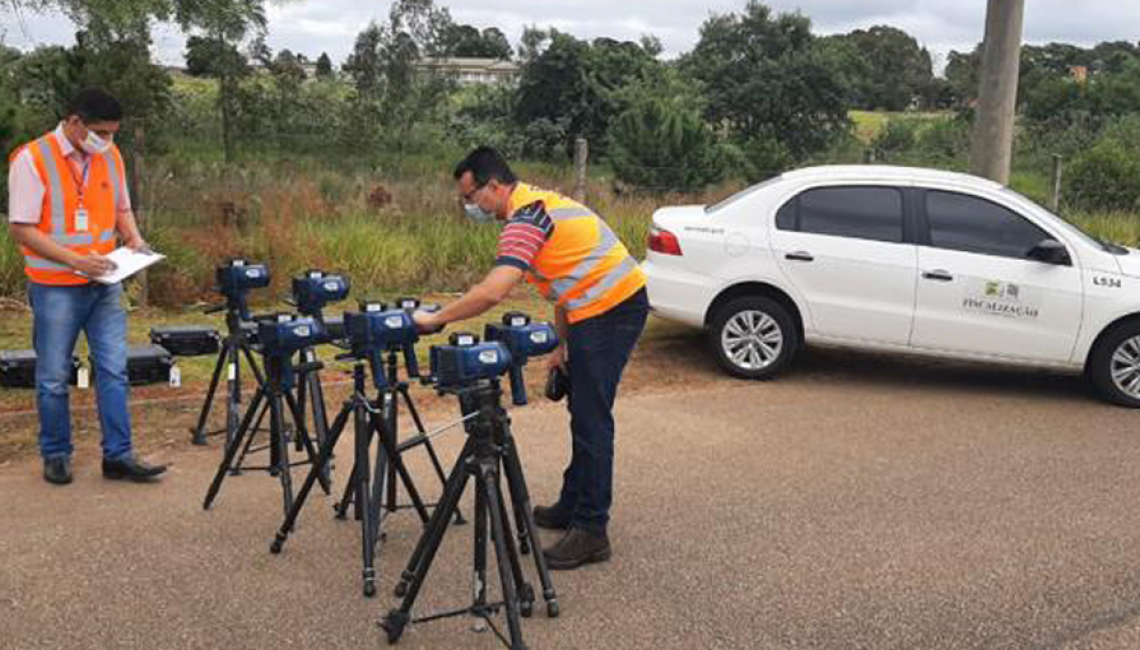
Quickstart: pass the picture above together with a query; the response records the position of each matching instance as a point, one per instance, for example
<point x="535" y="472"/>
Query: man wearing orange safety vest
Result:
<point x="68" y="203"/>
<point x="598" y="289"/>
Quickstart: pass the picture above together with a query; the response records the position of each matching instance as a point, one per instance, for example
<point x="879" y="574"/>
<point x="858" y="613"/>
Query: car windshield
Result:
<point x="742" y="194"/>
<point x="1072" y="229"/>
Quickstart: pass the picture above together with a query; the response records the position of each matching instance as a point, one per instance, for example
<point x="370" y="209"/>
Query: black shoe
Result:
<point x="57" y="470"/>
<point x="577" y="547"/>
<point x="551" y="517"/>
<point x="131" y="469"/>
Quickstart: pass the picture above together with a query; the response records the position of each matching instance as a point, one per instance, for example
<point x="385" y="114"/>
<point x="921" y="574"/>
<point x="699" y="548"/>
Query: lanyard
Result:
<point x="81" y="181"/>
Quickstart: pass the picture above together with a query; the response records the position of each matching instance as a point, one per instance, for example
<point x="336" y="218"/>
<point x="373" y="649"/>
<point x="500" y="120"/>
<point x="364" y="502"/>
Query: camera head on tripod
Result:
<point x="375" y="330"/>
<point x="235" y="278"/>
<point x="314" y="289"/>
<point x="507" y="348"/>
<point x="284" y="335"/>
<point x="524" y="339"/>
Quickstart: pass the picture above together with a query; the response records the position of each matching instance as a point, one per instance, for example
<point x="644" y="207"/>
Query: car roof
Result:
<point x="887" y="174"/>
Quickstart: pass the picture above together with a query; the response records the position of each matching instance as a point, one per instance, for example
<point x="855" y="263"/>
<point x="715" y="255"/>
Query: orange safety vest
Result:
<point x="61" y="199"/>
<point x="583" y="267"/>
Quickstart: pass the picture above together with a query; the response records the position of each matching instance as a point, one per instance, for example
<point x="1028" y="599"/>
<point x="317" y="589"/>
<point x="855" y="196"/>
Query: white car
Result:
<point x="903" y="259"/>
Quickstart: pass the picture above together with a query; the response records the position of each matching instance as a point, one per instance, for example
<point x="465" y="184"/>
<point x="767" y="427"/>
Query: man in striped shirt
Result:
<point x="579" y="264"/>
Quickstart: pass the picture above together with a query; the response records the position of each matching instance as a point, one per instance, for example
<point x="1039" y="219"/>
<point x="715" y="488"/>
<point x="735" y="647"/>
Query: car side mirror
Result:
<point x="1050" y="251"/>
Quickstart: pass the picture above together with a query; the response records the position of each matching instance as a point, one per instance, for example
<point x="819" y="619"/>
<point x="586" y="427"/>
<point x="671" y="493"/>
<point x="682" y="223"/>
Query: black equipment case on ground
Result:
<point x="149" y="364"/>
<point x="18" y="369"/>
<point x="186" y="340"/>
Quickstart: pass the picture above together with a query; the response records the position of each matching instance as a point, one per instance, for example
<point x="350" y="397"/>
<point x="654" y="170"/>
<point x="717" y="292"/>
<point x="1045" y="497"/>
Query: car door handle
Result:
<point x="800" y="256"/>
<point x="937" y="276"/>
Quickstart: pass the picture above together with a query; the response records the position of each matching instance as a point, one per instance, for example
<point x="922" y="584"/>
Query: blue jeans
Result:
<point x="59" y="313"/>
<point x="598" y="348"/>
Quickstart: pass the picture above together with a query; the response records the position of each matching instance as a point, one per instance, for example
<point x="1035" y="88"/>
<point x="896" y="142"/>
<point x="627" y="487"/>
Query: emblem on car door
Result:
<point x="1106" y="281"/>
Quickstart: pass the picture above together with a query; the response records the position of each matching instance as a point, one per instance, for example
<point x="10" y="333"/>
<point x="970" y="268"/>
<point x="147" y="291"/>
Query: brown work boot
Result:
<point x="552" y="517"/>
<point x="577" y="547"/>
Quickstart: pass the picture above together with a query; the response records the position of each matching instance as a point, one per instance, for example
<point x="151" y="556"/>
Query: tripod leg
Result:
<point x="233" y="393"/>
<point x="261" y="407"/>
<point x="298" y="406"/>
<point x="231" y="451"/>
<point x="499" y="533"/>
<point x="280" y="442"/>
<point x="520" y="497"/>
<point x="307" y="486"/>
<point x="451" y="490"/>
<point x="524" y="590"/>
<point x="410" y="583"/>
<point x="479" y="575"/>
<point x="388" y="443"/>
<point x="362" y="444"/>
<point x="199" y="433"/>
<point x="346" y="499"/>
<point x="304" y="441"/>
<point x="320" y="420"/>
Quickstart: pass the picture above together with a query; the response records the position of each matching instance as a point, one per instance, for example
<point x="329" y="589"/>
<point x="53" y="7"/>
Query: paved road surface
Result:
<point x="858" y="503"/>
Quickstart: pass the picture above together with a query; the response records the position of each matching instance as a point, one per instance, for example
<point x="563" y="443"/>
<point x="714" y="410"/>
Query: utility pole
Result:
<point x="992" y="144"/>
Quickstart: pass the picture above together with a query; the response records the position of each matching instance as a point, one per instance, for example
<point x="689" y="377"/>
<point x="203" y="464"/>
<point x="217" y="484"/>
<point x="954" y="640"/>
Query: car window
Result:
<point x="974" y="225"/>
<point x="874" y="213"/>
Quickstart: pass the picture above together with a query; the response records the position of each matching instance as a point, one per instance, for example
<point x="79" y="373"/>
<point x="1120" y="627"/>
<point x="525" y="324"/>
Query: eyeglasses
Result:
<point x="469" y="197"/>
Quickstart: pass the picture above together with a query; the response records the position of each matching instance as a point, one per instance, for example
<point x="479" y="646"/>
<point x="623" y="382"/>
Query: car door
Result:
<point x="979" y="292"/>
<point x="847" y="250"/>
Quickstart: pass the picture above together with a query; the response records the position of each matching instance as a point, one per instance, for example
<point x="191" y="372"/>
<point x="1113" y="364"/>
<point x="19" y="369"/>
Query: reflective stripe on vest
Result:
<point x="606" y="243"/>
<point x="58" y="215"/>
<point x="616" y="275"/>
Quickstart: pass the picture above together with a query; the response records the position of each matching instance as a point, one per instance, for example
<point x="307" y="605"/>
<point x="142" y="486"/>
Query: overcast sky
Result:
<point x="315" y="26"/>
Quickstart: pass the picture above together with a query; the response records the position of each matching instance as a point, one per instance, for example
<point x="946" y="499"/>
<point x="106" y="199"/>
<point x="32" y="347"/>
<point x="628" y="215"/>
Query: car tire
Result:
<point x="1114" y="365"/>
<point x="753" y="337"/>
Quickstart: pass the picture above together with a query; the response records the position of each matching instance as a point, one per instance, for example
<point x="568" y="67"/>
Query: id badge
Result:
<point x="81" y="219"/>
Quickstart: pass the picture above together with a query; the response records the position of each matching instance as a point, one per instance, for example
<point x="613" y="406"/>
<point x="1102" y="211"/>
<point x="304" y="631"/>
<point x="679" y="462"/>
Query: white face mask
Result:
<point x="477" y="214"/>
<point x="93" y="144"/>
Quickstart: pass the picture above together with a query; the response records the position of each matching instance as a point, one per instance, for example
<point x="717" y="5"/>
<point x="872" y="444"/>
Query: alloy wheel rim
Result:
<point x="752" y="340"/>
<point x="1125" y="367"/>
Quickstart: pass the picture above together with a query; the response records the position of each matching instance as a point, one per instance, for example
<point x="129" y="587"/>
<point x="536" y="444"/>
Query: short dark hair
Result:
<point x="485" y="164"/>
<point x="95" y="105"/>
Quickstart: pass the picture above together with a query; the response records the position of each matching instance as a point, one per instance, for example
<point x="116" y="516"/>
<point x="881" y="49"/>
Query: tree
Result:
<point x="580" y="84"/>
<point x="767" y="85"/>
<point x="898" y="69"/>
<point x="324" y="67"/>
<point x="661" y="144"/>
<point x="962" y="69"/>
<point x="394" y="91"/>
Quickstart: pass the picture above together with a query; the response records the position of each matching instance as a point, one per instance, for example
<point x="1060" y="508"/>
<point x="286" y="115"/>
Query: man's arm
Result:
<point x="491" y="291"/>
<point x="129" y="229"/>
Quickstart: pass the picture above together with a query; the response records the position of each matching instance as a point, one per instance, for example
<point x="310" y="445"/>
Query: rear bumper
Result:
<point x="677" y="295"/>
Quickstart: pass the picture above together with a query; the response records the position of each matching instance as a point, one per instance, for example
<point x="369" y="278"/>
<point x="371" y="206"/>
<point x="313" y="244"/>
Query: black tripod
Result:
<point x="489" y="453"/>
<point x="235" y="345"/>
<point x="368" y="490"/>
<point x="275" y="396"/>
<point x="389" y="400"/>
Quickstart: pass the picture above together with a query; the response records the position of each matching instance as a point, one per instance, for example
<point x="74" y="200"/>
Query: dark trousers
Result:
<point x="598" y="348"/>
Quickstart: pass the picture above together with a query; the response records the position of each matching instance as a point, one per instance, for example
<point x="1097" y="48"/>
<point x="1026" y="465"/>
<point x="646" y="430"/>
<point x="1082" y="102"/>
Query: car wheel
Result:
<point x="753" y="337"/>
<point x="1114" y="366"/>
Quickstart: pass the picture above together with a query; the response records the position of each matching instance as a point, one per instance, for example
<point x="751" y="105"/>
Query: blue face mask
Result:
<point x="477" y="214"/>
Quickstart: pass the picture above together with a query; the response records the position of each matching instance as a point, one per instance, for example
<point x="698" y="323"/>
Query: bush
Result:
<point x="662" y="147"/>
<point x="1106" y="177"/>
<point x="899" y="135"/>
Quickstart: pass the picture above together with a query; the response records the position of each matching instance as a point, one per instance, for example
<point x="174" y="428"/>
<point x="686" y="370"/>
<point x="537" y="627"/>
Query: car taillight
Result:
<point x="663" y="241"/>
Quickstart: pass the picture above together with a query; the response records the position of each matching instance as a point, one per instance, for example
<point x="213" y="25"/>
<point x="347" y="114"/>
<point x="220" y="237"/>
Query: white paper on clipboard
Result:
<point x="127" y="263"/>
